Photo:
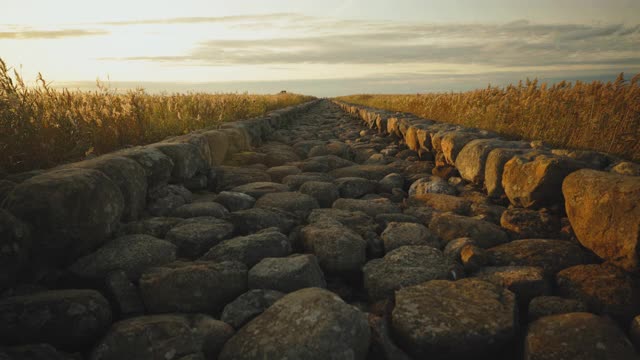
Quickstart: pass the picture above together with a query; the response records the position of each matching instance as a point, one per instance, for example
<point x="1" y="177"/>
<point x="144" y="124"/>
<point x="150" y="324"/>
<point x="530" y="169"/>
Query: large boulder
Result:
<point x="193" y="237"/>
<point x="170" y="336"/>
<point x="324" y="192"/>
<point x="453" y="142"/>
<point x="398" y="234"/>
<point x="15" y="242"/>
<point x="187" y="160"/>
<point x="228" y="177"/>
<point x="156" y="164"/>
<point x="131" y="253"/>
<point x="287" y="274"/>
<point x="34" y="352"/>
<point x="550" y="255"/>
<point x="71" y="211"/>
<point x="472" y="158"/>
<point x="605" y="216"/>
<point x="192" y="287"/>
<point x="405" y="266"/>
<point x="307" y="324"/>
<point x="604" y="288"/>
<point x="69" y="319"/>
<point x="494" y="169"/>
<point x="576" y="336"/>
<point x="450" y="227"/>
<point x="526" y="282"/>
<point x="355" y="187"/>
<point x="528" y="224"/>
<point x="535" y="180"/>
<point x="250" y="249"/>
<point x="454" y="319"/>
<point x="164" y="199"/>
<point x="542" y="306"/>
<point x="235" y="201"/>
<point x="253" y="220"/>
<point x="431" y="184"/>
<point x="249" y="305"/>
<point x="338" y="248"/>
<point x="442" y="202"/>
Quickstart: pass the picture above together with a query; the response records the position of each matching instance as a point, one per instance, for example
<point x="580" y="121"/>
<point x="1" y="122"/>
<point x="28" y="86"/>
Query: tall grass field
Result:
<point x="41" y="127"/>
<point x="602" y="116"/>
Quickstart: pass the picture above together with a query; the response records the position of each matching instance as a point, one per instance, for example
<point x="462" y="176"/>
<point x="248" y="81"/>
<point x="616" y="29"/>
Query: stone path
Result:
<point x="330" y="241"/>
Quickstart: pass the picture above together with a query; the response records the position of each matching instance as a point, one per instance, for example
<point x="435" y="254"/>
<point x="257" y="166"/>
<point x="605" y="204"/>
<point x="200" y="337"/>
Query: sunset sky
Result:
<point x="322" y="48"/>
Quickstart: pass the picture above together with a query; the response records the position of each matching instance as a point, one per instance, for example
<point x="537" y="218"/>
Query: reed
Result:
<point x="41" y="127"/>
<point x="602" y="116"/>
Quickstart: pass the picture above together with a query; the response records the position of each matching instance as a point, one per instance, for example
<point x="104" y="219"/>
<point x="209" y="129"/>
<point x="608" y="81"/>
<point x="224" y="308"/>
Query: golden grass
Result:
<point x="41" y="127"/>
<point x="597" y="116"/>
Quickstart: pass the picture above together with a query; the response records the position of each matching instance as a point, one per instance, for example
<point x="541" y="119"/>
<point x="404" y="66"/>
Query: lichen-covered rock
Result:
<point x="398" y="234"/>
<point x="287" y="274"/>
<point x="405" y="266"/>
<point x="253" y="220"/>
<point x="530" y="224"/>
<point x="156" y="164"/>
<point x="15" y="244"/>
<point x="576" y="336"/>
<point x="69" y="319"/>
<point x="606" y="289"/>
<point x="163" y="199"/>
<point x="605" y="216"/>
<point x="526" y="282"/>
<point x="197" y="209"/>
<point x="442" y="202"/>
<point x="472" y="158"/>
<point x="131" y="254"/>
<point x="370" y="207"/>
<point x="454" y="319"/>
<point x="71" y="212"/>
<point x="450" y="226"/>
<point x="193" y="237"/>
<point x="249" y="305"/>
<point x="432" y="185"/>
<point x="235" y="201"/>
<point x="260" y="188"/>
<point x="551" y="255"/>
<point x="324" y="192"/>
<point x="494" y="169"/>
<point x="171" y="336"/>
<point x="355" y="187"/>
<point x="250" y="249"/>
<point x="295" y="181"/>
<point x="153" y="226"/>
<point x="229" y="177"/>
<point x="307" y="324"/>
<point x="338" y="248"/>
<point x="192" y="287"/>
<point x="187" y="160"/>
<point x="542" y="306"/>
<point x="294" y="202"/>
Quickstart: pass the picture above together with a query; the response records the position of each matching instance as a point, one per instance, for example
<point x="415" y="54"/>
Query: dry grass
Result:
<point x="598" y="116"/>
<point x="42" y="127"/>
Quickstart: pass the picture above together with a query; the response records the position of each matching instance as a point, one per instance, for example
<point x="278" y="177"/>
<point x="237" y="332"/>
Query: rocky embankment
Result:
<point x="324" y="231"/>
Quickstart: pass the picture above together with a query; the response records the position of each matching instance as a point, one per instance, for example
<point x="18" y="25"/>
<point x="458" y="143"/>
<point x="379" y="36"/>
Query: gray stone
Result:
<point x="484" y="233"/>
<point x="542" y="306"/>
<point x="294" y="202"/>
<point x="258" y="189"/>
<point x="229" y="177"/>
<point x="187" y="160"/>
<point x="193" y="237"/>
<point x="472" y="158"/>
<point x="433" y="185"/>
<point x="287" y="274"/>
<point x="154" y="226"/>
<point x="526" y="282"/>
<point x="253" y="220"/>
<point x="390" y="182"/>
<point x="398" y="234"/>
<point x="250" y="249"/>
<point x="163" y="200"/>
<point x="337" y="248"/>
<point x="307" y="324"/>
<point x="371" y="172"/>
<point x="198" y="209"/>
<point x="355" y="187"/>
<point x="369" y="207"/>
<point x="235" y="201"/>
<point x="131" y="253"/>
<point x="324" y="192"/>
<point x="15" y="244"/>
<point x="295" y="181"/>
<point x="124" y="294"/>
<point x="156" y="164"/>
<point x="249" y="305"/>
<point x="278" y="173"/>
<point x="192" y="287"/>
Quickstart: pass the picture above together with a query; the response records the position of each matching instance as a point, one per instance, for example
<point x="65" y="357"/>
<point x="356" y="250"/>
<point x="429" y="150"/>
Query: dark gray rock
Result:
<point x="258" y="189"/>
<point x="229" y="177"/>
<point x="355" y="187"/>
<point x="193" y="237"/>
<point x="295" y="181"/>
<point x="124" y="294"/>
<point x="296" y="203"/>
<point x="249" y="305"/>
<point x="235" y="201"/>
<point x="253" y="220"/>
<point x="398" y="234"/>
<point x="154" y="226"/>
<point x="212" y="209"/>
<point x="287" y="274"/>
<point x="162" y="200"/>
<point x="250" y="249"/>
<point x="15" y="244"/>
<point x="338" y="248"/>
<point x="451" y="226"/>
<point x="324" y="192"/>
<point x="542" y="306"/>
<point x="370" y="207"/>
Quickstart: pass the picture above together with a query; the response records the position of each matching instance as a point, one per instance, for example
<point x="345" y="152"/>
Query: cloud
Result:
<point x="49" y="34"/>
<point x="208" y="19"/>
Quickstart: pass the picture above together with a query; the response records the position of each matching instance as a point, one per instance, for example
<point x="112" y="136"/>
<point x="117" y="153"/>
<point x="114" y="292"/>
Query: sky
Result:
<point x="322" y="48"/>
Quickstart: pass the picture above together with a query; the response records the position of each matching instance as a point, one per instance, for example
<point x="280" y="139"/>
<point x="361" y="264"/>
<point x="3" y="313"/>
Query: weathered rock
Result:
<point x="530" y="224"/>
<point x="451" y="226"/>
<point x="69" y="319"/>
<point x="431" y="185"/>
<point x="228" y="177"/>
<point x="542" y="306"/>
<point x="154" y="226"/>
<point x="212" y="209"/>
<point x="197" y="182"/>
<point x="494" y="169"/>
<point x="248" y="158"/>
<point x="296" y="203"/>
<point x="354" y="220"/>
<point x="454" y="319"/>
<point x="258" y="189"/>
<point x="398" y="234"/>
<point x="59" y="234"/>
<point x="250" y="249"/>
<point x="278" y="173"/>
<point x="187" y="160"/>
<point x="604" y="288"/>
<point x="605" y="216"/>
<point x="287" y="274"/>
<point x="253" y="220"/>
<point x="526" y="282"/>
<point x="634" y="331"/>
<point x="382" y="345"/>
<point x="453" y="249"/>
<point x="473" y="257"/>
<point x="123" y="294"/>
<point x="193" y="237"/>
<point x="171" y="336"/>
<point x="338" y="248"/>
<point x="15" y="244"/>
<point x="369" y="207"/>
<point x="472" y="158"/>
<point x="306" y="324"/>
<point x="324" y="192"/>
<point x="192" y="287"/>
<point x="405" y="266"/>
<point x="249" y="305"/>
<point x="441" y="202"/>
<point x="371" y="172"/>
<point x="295" y="181"/>
<point x="535" y="180"/>
<point x="34" y="352"/>
<point x="156" y="164"/>
<point x="336" y="148"/>
<point x="551" y="255"/>
<point x="626" y="168"/>
<point x="576" y="336"/>
<point x="390" y="182"/>
<point x="235" y="201"/>
<point x="164" y="199"/>
<point x="131" y="253"/>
